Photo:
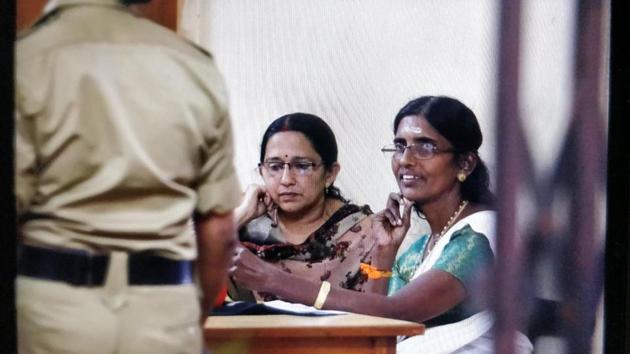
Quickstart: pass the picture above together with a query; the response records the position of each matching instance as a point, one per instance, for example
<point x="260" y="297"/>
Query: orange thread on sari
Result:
<point x="373" y="272"/>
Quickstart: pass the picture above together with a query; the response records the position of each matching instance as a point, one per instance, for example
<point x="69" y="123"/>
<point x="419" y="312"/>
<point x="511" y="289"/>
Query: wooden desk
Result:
<point x="277" y="334"/>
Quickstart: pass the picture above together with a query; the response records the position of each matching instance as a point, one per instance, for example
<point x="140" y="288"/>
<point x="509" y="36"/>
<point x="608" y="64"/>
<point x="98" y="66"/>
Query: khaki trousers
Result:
<point x="55" y="317"/>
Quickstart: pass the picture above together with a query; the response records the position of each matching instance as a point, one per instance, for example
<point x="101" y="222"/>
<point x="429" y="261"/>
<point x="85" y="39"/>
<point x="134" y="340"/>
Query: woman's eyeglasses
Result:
<point x="420" y="151"/>
<point x="301" y="168"/>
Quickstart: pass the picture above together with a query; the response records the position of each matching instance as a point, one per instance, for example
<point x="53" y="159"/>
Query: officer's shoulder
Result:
<point x="199" y="48"/>
<point x="174" y="40"/>
<point x="41" y="23"/>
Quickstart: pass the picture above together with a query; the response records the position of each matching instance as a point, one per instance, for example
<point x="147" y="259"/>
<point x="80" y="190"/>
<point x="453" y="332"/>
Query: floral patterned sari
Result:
<point x="332" y="253"/>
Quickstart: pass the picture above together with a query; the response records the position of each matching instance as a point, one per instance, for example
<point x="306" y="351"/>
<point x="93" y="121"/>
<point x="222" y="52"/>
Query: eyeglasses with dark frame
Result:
<point x="302" y="168"/>
<point x="421" y="151"/>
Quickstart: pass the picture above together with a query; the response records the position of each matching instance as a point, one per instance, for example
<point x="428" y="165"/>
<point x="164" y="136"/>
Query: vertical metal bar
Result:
<point x="582" y="292"/>
<point x="509" y="164"/>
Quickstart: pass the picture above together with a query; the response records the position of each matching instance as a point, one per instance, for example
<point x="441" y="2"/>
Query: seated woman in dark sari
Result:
<point x="298" y="220"/>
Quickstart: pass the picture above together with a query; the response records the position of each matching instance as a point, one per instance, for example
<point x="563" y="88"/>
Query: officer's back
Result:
<point x="123" y="144"/>
<point x="119" y="115"/>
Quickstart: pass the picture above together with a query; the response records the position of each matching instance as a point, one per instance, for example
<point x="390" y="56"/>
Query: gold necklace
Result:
<point x="448" y="225"/>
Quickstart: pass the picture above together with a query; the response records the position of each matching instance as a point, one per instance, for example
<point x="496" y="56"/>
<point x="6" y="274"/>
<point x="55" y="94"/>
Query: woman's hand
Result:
<point x="388" y="225"/>
<point x="252" y="272"/>
<point x="256" y="202"/>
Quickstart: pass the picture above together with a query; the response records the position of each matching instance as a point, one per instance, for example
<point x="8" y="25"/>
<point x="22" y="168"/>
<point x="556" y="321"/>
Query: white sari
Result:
<point x="473" y="334"/>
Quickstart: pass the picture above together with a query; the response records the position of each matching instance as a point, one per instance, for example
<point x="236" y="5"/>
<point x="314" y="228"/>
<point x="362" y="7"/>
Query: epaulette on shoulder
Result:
<point x="199" y="48"/>
<point x="38" y="24"/>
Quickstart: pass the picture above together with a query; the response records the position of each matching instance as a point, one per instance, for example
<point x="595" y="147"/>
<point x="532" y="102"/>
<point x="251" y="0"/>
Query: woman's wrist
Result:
<point x="241" y="216"/>
<point x="383" y="257"/>
<point x="322" y="295"/>
<point x="270" y="280"/>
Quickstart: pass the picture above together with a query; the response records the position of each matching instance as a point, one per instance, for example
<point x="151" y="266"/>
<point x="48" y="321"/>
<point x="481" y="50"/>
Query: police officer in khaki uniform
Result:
<point x="123" y="151"/>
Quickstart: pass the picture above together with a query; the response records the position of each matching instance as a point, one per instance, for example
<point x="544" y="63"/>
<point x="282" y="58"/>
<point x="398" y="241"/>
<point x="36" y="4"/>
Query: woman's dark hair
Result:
<point x="317" y="132"/>
<point x="458" y="124"/>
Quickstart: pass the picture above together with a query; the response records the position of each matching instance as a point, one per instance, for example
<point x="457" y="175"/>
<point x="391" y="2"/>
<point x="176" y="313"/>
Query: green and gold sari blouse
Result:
<point x="464" y="256"/>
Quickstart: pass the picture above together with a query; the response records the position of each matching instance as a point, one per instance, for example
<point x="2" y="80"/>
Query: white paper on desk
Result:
<point x="301" y="309"/>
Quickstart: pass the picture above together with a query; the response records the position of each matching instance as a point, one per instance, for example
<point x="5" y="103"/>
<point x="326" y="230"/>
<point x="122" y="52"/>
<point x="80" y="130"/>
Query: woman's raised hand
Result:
<point x="256" y="202"/>
<point x="250" y="271"/>
<point x="388" y="225"/>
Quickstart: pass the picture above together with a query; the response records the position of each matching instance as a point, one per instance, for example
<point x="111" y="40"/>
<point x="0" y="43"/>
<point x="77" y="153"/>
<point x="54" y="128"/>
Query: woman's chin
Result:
<point x="291" y="208"/>
<point x="411" y="194"/>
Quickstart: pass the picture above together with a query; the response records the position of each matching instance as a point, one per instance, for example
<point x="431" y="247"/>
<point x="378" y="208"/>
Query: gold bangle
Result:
<point x="373" y="272"/>
<point x="322" y="295"/>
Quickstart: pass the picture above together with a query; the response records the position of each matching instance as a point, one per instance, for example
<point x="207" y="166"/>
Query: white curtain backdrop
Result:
<point x="356" y="62"/>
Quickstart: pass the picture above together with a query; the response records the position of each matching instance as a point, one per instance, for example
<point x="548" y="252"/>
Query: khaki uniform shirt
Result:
<point x="122" y="133"/>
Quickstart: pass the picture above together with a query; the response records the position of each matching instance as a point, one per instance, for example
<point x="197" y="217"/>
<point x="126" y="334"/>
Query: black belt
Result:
<point x="81" y="268"/>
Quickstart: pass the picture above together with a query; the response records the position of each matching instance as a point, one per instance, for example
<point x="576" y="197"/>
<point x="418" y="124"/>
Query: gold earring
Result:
<point x="461" y="176"/>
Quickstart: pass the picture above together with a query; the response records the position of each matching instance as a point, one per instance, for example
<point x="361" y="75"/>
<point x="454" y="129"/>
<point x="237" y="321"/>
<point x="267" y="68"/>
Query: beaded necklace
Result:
<point x="448" y="225"/>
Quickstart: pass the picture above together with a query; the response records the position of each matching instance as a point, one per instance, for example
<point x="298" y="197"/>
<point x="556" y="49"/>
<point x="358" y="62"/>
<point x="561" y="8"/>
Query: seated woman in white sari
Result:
<point x="440" y="175"/>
